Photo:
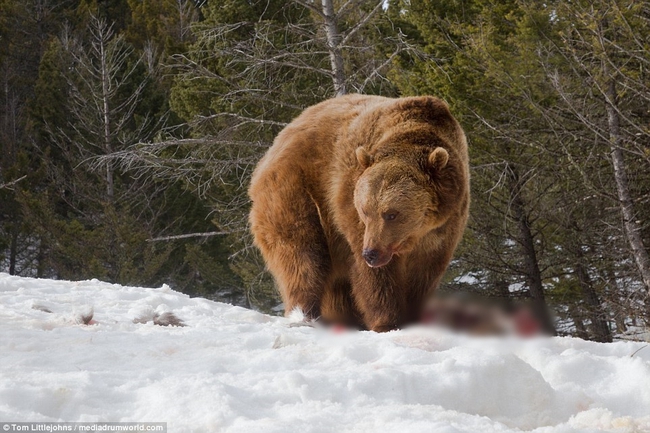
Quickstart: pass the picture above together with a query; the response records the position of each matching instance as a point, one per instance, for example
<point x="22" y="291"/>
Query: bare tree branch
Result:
<point x="190" y="235"/>
<point x="362" y="23"/>
<point x="9" y="185"/>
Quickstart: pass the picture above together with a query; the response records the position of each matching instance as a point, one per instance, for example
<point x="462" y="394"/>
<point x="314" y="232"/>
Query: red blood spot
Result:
<point x="526" y="324"/>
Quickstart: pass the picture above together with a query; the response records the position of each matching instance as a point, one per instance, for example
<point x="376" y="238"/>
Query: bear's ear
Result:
<point x="438" y="158"/>
<point x="364" y="158"/>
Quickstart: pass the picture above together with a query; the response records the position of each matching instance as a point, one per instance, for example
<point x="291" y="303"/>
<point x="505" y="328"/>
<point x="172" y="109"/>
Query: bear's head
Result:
<point x="398" y="202"/>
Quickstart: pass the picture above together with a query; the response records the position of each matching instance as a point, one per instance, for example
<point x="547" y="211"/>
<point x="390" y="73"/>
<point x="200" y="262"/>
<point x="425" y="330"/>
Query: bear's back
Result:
<point x="308" y="142"/>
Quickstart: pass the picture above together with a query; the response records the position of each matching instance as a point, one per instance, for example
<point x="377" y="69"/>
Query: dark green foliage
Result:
<point x="58" y="221"/>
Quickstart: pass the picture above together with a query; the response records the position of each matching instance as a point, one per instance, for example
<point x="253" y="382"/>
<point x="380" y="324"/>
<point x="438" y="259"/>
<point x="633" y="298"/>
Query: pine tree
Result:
<point x="93" y="218"/>
<point x="597" y="69"/>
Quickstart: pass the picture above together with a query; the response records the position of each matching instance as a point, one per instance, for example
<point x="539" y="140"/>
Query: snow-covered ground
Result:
<point x="237" y="370"/>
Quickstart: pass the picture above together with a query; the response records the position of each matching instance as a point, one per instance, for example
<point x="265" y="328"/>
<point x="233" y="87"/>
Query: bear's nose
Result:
<point x="370" y="256"/>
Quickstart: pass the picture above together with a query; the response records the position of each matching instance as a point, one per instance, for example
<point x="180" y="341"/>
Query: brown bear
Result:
<point x="359" y="205"/>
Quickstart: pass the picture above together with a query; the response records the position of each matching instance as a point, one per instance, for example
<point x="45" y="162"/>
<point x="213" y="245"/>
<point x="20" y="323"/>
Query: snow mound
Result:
<point x="235" y="370"/>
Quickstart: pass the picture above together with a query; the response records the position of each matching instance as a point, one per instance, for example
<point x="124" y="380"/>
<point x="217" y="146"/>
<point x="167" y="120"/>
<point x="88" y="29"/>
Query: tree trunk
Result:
<point x="13" y="250"/>
<point x="632" y="227"/>
<point x="40" y="259"/>
<point x="533" y="274"/>
<point x="106" y="113"/>
<point x="621" y="327"/>
<point x="503" y="290"/>
<point x="597" y="316"/>
<point x="333" y="46"/>
<point x="581" y="330"/>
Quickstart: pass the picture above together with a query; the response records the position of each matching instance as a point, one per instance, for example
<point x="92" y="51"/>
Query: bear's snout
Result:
<point x="374" y="258"/>
<point x="370" y="256"/>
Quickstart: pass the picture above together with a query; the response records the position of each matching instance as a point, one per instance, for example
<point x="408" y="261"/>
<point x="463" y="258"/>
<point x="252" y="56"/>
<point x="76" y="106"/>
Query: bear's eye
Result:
<point x="390" y="216"/>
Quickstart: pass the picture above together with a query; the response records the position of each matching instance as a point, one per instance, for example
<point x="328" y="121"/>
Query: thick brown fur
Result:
<point x="359" y="173"/>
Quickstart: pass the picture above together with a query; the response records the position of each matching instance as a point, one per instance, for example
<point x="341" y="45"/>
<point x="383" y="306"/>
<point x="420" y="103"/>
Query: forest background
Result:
<point x="129" y="130"/>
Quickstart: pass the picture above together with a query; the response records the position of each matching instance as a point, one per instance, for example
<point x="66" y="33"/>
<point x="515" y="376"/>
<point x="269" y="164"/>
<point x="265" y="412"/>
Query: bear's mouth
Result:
<point x="381" y="263"/>
<point x="376" y="258"/>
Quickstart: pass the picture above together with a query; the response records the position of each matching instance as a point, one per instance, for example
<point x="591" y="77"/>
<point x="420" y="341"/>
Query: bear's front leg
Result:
<point x="287" y="229"/>
<point x="378" y="295"/>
